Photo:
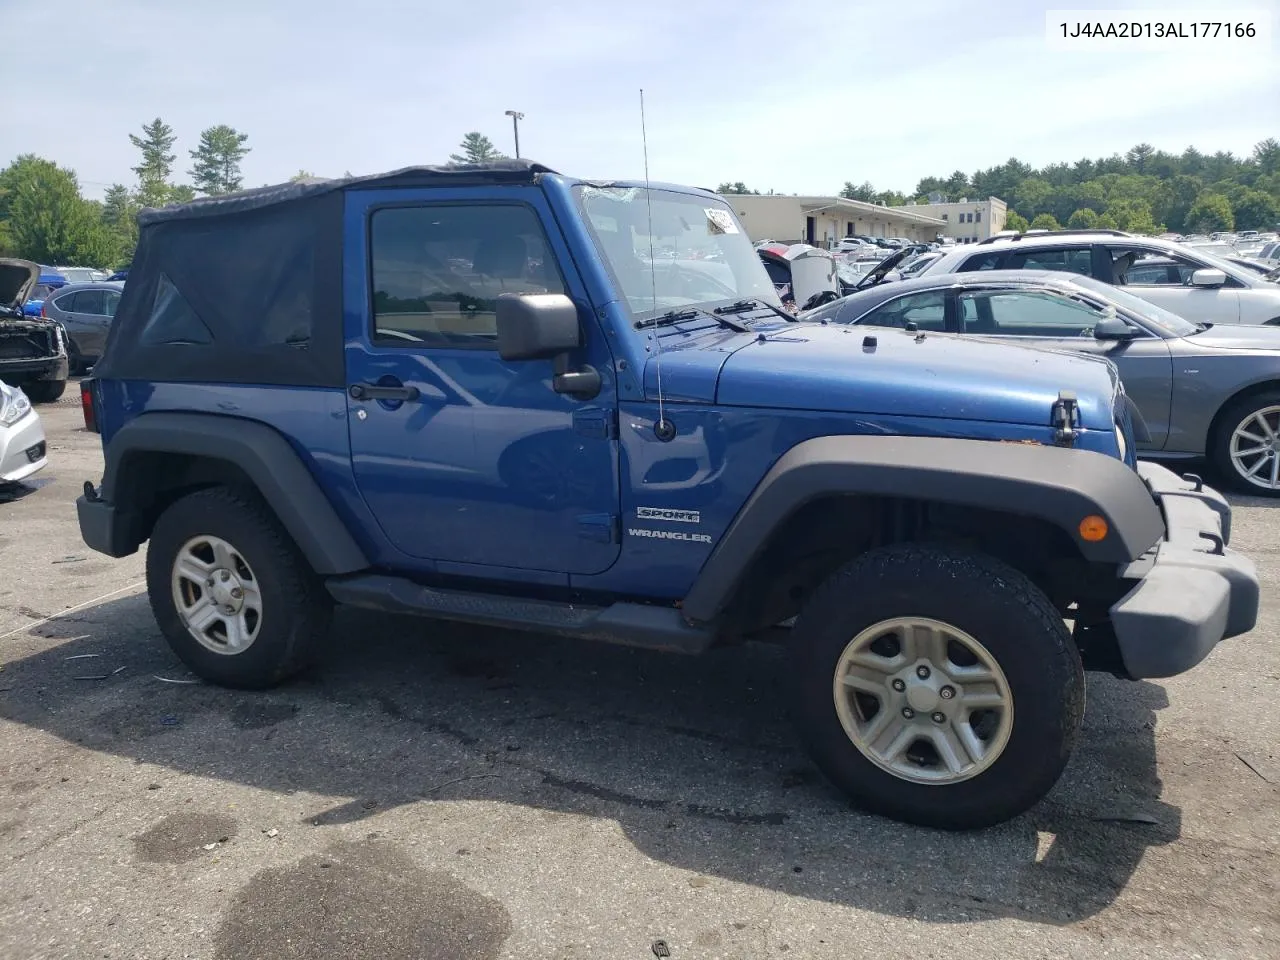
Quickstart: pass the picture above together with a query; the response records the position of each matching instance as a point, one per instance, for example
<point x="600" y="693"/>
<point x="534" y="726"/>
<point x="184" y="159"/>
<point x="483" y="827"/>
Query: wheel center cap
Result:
<point x="226" y="590"/>
<point x="922" y="697"/>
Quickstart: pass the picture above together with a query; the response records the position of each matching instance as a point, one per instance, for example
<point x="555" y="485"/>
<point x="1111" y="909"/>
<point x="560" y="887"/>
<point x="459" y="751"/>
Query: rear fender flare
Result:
<point x="264" y="455"/>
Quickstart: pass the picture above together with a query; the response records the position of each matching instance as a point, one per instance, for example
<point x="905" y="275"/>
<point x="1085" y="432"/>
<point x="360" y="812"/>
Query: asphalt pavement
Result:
<point x="443" y="792"/>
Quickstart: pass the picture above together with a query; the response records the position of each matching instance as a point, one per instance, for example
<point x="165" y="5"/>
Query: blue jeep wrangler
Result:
<point x="504" y="396"/>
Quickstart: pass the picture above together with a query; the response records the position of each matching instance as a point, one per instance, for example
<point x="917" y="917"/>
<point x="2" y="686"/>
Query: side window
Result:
<point x="980" y="261"/>
<point x="924" y="309"/>
<point x="437" y="270"/>
<point x="1150" y="268"/>
<point x="88" y="301"/>
<point x="1076" y="260"/>
<point x="1148" y="271"/>
<point x="1015" y="313"/>
<point x="66" y="303"/>
<point x="110" y="301"/>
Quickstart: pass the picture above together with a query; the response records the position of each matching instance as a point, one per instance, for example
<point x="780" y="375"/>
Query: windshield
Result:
<point x="1163" y="320"/>
<point x="78" y="274"/>
<point x="696" y="254"/>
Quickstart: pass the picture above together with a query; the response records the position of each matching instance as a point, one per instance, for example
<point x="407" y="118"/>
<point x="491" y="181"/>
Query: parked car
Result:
<point x="33" y="350"/>
<point x="82" y="274"/>
<point x="1185" y="281"/>
<point x="48" y="281"/>
<point x="705" y="468"/>
<point x="1201" y="389"/>
<point x="23" y="450"/>
<point x="120" y="275"/>
<point x="85" y="311"/>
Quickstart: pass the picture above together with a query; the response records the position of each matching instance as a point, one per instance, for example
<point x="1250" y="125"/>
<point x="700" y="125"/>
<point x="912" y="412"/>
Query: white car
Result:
<point x="1190" y="282"/>
<point x="22" y="443"/>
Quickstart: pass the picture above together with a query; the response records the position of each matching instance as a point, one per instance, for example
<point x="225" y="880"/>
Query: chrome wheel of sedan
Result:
<point x="923" y="700"/>
<point x="216" y="595"/>
<point x="1255" y="448"/>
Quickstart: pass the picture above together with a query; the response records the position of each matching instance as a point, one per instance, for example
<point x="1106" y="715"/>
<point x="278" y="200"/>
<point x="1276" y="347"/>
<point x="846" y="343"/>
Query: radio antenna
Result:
<point x="663" y="429"/>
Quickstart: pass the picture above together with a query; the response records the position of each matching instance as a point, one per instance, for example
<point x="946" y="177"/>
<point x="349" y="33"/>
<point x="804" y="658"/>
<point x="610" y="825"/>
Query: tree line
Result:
<point x="1144" y="191"/>
<point x="43" y="216"/>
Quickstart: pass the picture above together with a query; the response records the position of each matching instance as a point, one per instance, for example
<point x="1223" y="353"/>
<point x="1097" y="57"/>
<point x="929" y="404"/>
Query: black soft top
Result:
<point x="247" y="288"/>
<point x="498" y="171"/>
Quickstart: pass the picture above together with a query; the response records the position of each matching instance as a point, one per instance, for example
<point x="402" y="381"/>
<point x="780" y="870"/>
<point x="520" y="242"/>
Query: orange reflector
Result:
<point x="1093" y="528"/>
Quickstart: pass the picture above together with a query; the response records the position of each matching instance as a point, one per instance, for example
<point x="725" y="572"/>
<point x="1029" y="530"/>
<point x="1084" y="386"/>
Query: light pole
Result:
<point x="516" y="116"/>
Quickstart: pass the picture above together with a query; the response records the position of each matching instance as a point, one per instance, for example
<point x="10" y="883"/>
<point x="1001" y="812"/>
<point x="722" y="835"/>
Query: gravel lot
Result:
<point x="442" y="792"/>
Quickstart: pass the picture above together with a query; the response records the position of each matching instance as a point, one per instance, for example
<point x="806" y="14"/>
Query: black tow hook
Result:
<point x="90" y="493"/>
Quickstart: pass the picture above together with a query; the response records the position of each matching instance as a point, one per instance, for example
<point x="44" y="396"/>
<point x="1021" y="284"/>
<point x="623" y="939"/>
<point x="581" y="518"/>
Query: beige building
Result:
<point x="823" y="221"/>
<point x="967" y="221"/>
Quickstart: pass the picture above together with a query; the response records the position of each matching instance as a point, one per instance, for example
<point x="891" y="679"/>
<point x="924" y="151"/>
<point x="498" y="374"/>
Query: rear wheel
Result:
<point x="937" y="687"/>
<point x="1245" y="447"/>
<point x="45" y="391"/>
<point x="231" y="593"/>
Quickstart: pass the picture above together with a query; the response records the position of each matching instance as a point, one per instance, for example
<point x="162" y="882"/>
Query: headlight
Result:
<point x="16" y="406"/>
<point x="1124" y="450"/>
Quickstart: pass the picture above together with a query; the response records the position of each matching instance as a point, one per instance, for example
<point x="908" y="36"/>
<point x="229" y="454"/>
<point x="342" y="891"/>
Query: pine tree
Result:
<point x="156" y="144"/>
<point x="476" y="148"/>
<point x="217" y="160"/>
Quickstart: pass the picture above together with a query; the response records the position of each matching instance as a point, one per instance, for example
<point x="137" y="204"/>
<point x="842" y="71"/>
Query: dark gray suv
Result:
<point x="86" y="311"/>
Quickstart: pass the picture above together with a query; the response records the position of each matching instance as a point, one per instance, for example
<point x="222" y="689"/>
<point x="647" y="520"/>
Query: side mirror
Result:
<point x="1208" y="277"/>
<point x="536" y="326"/>
<point x="1113" y="328"/>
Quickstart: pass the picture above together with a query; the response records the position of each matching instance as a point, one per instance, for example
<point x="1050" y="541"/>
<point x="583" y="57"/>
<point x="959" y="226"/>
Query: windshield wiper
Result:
<point x="690" y="313"/>
<point x="752" y="303"/>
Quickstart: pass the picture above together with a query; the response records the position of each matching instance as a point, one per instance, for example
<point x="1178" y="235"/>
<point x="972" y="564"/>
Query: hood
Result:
<point x="880" y="271"/>
<point x="1234" y="336"/>
<point x="810" y="366"/>
<point x="17" y="277"/>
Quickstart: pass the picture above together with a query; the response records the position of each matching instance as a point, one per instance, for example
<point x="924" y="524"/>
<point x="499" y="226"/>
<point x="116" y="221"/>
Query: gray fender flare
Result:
<point x="268" y="459"/>
<point x="1059" y="485"/>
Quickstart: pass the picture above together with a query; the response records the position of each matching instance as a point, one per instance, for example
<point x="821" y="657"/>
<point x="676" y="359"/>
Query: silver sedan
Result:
<point x="22" y="442"/>
<point x="1202" y="389"/>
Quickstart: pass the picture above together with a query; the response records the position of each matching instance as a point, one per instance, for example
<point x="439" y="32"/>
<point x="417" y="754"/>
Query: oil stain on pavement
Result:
<point x="183" y="836"/>
<point x="360" y="901"/>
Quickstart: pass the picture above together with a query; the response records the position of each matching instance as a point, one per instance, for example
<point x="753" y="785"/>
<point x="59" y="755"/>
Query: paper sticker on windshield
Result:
<point x="720" y="221"/>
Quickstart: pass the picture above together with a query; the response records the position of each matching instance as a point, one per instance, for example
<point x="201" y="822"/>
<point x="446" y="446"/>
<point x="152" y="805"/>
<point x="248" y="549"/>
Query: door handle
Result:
<point x="377" y="391"/>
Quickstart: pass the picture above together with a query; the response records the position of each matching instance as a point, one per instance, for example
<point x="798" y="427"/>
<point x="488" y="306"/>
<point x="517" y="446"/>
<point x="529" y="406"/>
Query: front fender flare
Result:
<point x="1055" y="484"/>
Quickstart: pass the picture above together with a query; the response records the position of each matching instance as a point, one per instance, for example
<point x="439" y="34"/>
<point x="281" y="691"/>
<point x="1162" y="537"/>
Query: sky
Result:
<point x="791" y="95"/>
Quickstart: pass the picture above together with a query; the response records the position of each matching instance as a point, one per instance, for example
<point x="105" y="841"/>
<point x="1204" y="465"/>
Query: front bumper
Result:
<point x="39" y="368"/>
<point x="23" y="450"/>
<point x="1192" y="590"/>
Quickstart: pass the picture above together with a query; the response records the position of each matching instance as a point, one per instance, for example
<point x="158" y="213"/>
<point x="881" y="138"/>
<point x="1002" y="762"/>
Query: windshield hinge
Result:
<point x="1065" y="417"/>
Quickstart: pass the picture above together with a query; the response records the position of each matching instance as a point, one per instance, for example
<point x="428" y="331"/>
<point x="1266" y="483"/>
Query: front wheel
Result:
<point x="937" y="687"/>
<point x="1245" y="446"/>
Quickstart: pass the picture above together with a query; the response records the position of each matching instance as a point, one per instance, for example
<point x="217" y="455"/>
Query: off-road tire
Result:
<point x="45" y="391"/>
<point x="1219" y="447"/>
<point x="296" y="609"/>
<point x="994" y="604"/>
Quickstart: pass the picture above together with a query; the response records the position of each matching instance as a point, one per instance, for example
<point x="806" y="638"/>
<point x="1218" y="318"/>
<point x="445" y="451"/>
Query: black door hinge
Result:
<point x="598" y="423"/>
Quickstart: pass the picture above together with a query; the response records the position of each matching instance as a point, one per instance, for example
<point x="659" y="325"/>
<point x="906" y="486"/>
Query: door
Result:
<point x="88" y="318"/>
<point x="1046" y="319"/>
<point x="1165" y="280"/>
<point x="462" y="457"/>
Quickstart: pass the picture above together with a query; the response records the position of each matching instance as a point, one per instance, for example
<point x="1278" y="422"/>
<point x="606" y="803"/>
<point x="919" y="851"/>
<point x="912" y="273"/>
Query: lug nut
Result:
<point x="922" y="672"/>
<point x="228" y="609"/>
<point x="946" y="693"/>
<point x="209" y="582"/>
<point x="236" y="593"/>
<point x="899" y="685"/>
<point x="225" y="576"/>
<point x="939" y="717"/>
<point x="908" y="713"/>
